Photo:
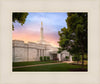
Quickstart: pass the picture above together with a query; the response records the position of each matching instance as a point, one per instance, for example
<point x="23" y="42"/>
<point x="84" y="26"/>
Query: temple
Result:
<point x="32" y="51"/>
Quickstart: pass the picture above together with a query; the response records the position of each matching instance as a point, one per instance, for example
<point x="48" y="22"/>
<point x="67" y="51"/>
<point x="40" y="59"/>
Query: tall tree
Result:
<point x="20" y="17"/>
<point x="74" y="38"/>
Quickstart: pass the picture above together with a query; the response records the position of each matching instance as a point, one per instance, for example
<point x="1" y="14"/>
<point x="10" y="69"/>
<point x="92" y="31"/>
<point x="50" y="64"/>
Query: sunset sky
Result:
<point x="30" y="31"/>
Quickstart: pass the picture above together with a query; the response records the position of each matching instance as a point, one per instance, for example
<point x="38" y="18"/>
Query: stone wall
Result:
<point x="32" y="51"/>
<point x="19" y="51"/>
<point x="27" y="52"/>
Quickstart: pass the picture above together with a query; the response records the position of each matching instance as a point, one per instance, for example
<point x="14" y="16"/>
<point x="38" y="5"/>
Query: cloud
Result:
<point x="30" y="31"/>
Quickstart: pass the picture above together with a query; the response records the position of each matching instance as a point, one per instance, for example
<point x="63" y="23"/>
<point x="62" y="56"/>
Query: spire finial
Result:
<point x="41" y="24"/>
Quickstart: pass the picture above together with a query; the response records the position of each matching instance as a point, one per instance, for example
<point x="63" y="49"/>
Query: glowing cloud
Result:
<point x="30" y="31"/>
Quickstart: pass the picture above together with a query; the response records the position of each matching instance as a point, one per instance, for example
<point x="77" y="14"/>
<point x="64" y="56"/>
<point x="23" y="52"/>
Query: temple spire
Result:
<point x="41" y="31"/>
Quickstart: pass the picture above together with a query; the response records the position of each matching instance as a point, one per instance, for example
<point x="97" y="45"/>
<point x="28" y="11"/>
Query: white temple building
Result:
<point x="32" y="51"/>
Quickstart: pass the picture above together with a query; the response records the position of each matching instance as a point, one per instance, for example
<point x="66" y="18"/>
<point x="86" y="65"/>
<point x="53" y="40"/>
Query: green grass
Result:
<point x="31" y="63"/>
<point x="54" y="67"/>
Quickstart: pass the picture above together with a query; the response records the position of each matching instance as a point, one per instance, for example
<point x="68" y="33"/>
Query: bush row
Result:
<point x="45" y="58"/>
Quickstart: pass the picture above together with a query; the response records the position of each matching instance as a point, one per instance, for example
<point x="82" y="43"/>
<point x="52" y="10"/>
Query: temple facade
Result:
<point x="32" y="51"/>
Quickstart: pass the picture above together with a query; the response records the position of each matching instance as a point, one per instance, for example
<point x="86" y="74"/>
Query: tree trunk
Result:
<point x="83" y="61"/>
<point x="77" y="62"/>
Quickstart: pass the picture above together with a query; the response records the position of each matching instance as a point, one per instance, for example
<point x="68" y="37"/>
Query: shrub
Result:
<point x="45" y="58"/>
<point x="48" y="58"/>
<point x="67" y="58"/>
<point x="41" y="58"/>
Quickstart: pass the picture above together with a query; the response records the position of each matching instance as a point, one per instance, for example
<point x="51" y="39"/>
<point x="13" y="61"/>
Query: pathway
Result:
<point x="35" y="65"/>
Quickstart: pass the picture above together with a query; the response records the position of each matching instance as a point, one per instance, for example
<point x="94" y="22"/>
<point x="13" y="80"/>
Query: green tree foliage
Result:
<point x="20" y="17"/>
<point x="76" y="58"/>
<point x="74" y="38"/>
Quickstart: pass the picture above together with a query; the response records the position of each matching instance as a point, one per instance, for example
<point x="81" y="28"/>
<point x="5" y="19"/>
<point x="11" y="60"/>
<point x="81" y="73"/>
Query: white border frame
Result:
<point x="9" y="77"/>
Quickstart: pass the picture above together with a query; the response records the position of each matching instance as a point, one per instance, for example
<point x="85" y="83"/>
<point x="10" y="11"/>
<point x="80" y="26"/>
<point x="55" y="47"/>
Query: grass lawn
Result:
<point x="54" y="67"/>
<point x="31" y="63"/>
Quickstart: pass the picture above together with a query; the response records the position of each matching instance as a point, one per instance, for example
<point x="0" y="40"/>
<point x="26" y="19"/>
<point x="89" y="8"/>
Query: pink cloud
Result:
<point x="32" y="33"/>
